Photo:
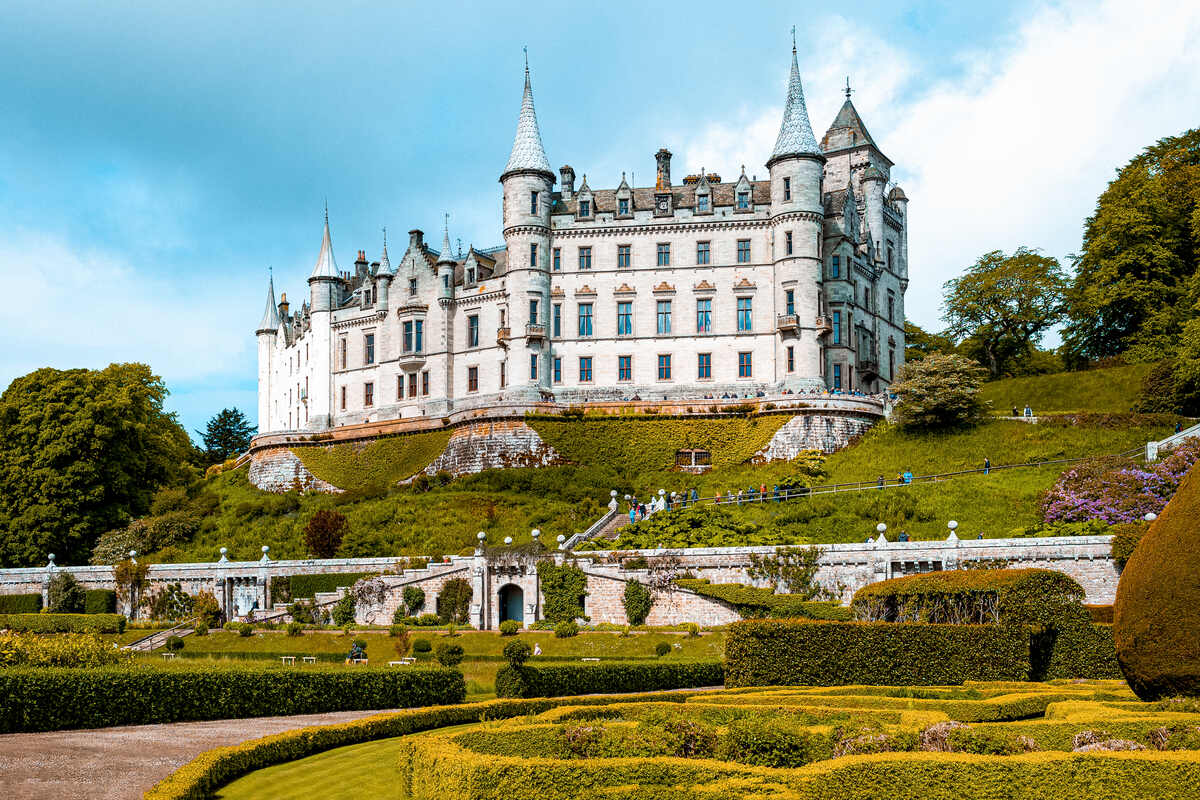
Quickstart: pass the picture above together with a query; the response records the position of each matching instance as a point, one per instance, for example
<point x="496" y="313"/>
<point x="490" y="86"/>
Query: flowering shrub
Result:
<point x="62" y="650"/>
<point x="1117" y="490"/>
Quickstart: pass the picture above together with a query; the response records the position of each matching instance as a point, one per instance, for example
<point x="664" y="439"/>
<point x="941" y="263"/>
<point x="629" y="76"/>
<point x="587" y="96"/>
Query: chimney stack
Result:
<point x="663" y="157"/>
<point x="416" y="239"/>
<point x="568" y="181"/>
<point x="283" y="306"/>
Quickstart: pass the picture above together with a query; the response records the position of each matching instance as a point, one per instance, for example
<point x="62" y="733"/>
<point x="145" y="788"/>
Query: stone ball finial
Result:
<point x="481" y="536"/>
<point x="881" y="527"/>
<point x="662" y="491"/>
<point x="952" y="525"/>
<point x="535" y="533"/>
<point x="613" y="493"/>
<point x="508" y="540"/>
<point x="265" y="548"/>
<point x="1150" y="517"/>
<point x="51" y="557"/>
<point x="223" y="550"/>
<point x="561" y="538"/>
<point x="133" y="553"/>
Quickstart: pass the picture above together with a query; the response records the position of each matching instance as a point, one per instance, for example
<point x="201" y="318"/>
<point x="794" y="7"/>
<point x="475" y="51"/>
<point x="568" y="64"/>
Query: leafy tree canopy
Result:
<point x="1004" y="304"/>
<point x="939" y="391"/>
<point x="919" y="343"/>
<point x="81" y="452"/>
<point x="227" y="435"/>
<point x="1136" y="281"/>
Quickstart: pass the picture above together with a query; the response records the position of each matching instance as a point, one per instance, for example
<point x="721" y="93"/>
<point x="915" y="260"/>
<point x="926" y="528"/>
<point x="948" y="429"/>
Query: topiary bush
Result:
<point x="1156" y="617"/>
<point x="517" y="652"/>
<point x="174" y="644"/>
<point x="638" y="600"/>
<point x="510" y="627"/>
<point x="661" y="649"/>
<point x="565" y="630"/>
<point x="448" y="654"/>
<point x="422" y="646"/>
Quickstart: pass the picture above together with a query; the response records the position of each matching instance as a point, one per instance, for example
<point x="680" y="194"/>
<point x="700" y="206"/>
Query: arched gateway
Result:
<point x="512" y="603"/>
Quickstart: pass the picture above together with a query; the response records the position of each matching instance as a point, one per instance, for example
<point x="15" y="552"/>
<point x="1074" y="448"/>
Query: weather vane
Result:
<point x="847" y="87"/>
<point x="793" y="37"/>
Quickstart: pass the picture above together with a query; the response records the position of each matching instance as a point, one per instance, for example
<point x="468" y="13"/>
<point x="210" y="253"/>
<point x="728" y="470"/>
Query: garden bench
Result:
<point x="168" y="655"/>
<point x="358" y="660"/>
<point x="402" y="662"/>
<point x="310" y="659"/>
<point x="289" y="660"/>
<point x="589" y="659"/>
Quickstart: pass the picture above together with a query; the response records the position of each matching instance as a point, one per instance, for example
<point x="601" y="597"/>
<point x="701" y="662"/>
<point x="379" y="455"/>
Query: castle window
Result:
<point x="837" y="377"/>
<point x="702" y="202"/>
<point x="789" y="297"/>
<point x="835" y="267"/>
<point x="503" y="374"/>
<point x="585" y="320"/>
<point x="891" y="306"/>
<point x="412" y="286"/>
<point x="788" y="243"/>
<point x="557" y="320"/>
<point x="743" y="200"/>
<point x="624" y="368"/>
<point x="557" y="369"/>
<point x="470" y="276"/>
<point x="533" y="255"/>
<point x="533" y="312"/>
<point x="425" y="383"/>
<point x="400" y="386"/>
<point x="473" y="330"/>
<point x="787" y="189"/>
<point x="533" y="203"/>
<point x="472" y="379"/>
<point x="343" y="398"/>
<point x="369" y="348"/>
<point x="743" y="251"/>
<point x="446" y="281"/>
<point x="890" y="254"/>
<point x="745" y="313"/>
<point x="791" y="359"/>
<point x="704" y="366"/>
<point x="557" y="259"/>
<point x="837" y="327"/>
<point x="664" y="367"/>
<point x="891" y="363"/>
<point x="704" y="316"/>
<point x="342" y="352"/>
<point x="408" y="336"/>
<point x="585" y="369"/>
<point x="622" y="255"/>
<point x="412" y="385"/>
<point x="702" y="250"/>
<point x="866" y="298"/>
<point x="625" y="318"/>
<point x="585" y="208"/>
<point x="744" y="366"/>
<point x="664" y="316"/>
<point x="585" y="258"/>
<point x="623" y="206"/>
<point x="664" y="254"/>
<point x="533" y="361"/>
<point x="419" y="344"/>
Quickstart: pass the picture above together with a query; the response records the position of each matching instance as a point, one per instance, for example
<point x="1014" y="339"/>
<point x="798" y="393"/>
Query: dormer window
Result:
<point x="702" y="202"/>
<point x="743" y="200"/>
<point x="623" y="206"/>
<point x="585" y="208"/>
<point x="471" y="275"/>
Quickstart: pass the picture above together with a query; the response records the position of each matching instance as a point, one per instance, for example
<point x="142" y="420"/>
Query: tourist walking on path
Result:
<point x="1028" y="411"/>
<point x="881" y="482"/>
<point x="987" y="465"/>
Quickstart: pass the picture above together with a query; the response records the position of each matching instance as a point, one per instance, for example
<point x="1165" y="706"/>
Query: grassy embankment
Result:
<point x="1112" y="390"/>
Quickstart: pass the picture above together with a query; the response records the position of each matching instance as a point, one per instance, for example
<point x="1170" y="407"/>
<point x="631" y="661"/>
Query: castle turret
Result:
<point x="267" y="333"/>
<point x="873" y="181"/>
<point x="797" y="219"/>
<point x="383" y="278"/>
<point x="323" y="290"/>
<point x="900" y="201"/>
<point x="528" y="181"/>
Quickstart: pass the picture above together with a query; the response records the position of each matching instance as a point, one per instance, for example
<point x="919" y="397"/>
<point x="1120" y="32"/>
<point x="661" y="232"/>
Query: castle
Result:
<point x="702" y="289"/>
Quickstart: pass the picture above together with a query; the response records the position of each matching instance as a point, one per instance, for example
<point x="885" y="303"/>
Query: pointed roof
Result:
<point x="848" y="120"/>
<point x="795" y="133"/>
<point x="270" y="318"/>
<point x="447" y="255"/>
<point x="325" y="267"/>
<point x="385" y="266"/>
<point x="527" y="150"/>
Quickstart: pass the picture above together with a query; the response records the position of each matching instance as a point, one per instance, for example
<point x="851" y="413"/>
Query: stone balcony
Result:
<point x="412" y="359"/>
<point x="787" y="322"/>
<point x="868" y="365"/>
<point x="534" y="331"/>
<point x="824" y="326"/>
<point x="502" y="336"/>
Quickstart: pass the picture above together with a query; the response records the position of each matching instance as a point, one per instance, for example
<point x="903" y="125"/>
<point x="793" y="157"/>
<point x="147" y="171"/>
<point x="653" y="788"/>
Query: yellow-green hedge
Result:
<point x="642" y="445"/>
<point x="358" y="466"/>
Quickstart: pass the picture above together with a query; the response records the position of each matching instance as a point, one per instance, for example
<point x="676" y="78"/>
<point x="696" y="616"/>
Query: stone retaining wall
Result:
<point x="500" y="444"/>
<point x="825" y="432"/>
<point x="279" y="470"/>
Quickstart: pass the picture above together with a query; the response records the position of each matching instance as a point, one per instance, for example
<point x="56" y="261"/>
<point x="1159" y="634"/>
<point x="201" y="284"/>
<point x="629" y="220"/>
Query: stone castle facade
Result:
<point x="704" y="288"/>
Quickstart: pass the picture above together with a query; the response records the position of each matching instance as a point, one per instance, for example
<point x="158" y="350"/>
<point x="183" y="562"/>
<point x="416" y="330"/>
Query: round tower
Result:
<point x="527" y="182"/>
<point x="323" y="295"/>
<point x="267" y="335"/>
<point x="797" y="225"/>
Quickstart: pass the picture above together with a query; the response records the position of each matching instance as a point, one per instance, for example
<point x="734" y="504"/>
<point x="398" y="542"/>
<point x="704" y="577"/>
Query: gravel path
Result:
<point x="121" y="763"/>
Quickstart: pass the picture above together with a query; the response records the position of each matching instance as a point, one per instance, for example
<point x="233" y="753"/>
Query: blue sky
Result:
<point x="155" y="161"/>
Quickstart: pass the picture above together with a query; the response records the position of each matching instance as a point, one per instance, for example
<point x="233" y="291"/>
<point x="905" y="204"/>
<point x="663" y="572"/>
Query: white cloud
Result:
<point x="70" y="308"/>
<point x="1015" y="149"/>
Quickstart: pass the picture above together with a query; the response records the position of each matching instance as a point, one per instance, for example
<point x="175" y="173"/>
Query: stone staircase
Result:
<point x="159" y="638"/>
<point x="1153" y="448"/>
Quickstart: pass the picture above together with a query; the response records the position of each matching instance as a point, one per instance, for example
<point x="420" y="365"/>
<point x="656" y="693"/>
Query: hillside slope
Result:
<point x="1108" y="391"/>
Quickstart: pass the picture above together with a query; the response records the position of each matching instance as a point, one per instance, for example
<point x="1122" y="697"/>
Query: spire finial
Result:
<point x="326" y="210"/>
<point x="385" y="237"/>
<point x="793" y="38"/>
<point x="525" y="49"/>
<point x="446" y="224"/>
<point x="847" y="87"/>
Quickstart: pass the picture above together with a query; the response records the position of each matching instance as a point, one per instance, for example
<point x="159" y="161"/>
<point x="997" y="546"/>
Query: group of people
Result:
<point x="661" y="502"/>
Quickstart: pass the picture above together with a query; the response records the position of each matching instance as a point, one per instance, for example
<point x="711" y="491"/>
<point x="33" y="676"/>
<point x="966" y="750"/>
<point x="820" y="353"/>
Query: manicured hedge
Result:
<point x="753" y="603"/>
<point x="1101" y="614"/>
<point x="200" y="778"/>
<point x="64" y="623"/>
<point x="794" y="653"/>
<point x="45" y="699"/>
<point x="100" y="601"/>
<point x="305" y="587"/>
<point x="20" y="603"/>
<point x="563" y="680"/>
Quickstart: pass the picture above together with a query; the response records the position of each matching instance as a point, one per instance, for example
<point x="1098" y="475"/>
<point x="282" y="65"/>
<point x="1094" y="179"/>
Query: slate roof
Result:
<point x="605" y="200"/>
<point x="326" y="266"/>
<point x="796" y="136"/>
<point x="270" y="318"/>
<point x="527" y="149"/>
<point x="847" y="119"/>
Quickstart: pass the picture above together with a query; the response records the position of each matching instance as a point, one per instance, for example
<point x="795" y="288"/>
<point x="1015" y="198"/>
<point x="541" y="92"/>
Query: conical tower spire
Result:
<point x="527" y="150"/>
<point x="326" y="267"/>
<point x="270" y="318"/>
<point x="385" y="266"/>
<point x="795" y="134"/>
<point x="447" y="254"/>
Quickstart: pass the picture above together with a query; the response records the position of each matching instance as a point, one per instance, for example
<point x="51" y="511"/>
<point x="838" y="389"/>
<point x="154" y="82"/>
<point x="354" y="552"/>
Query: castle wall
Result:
<point x="502" y="444"/>
<point x="279" y="470"/>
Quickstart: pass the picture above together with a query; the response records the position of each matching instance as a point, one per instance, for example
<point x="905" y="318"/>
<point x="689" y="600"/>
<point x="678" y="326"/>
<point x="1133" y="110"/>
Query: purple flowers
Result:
<point x="1115" y="490"/>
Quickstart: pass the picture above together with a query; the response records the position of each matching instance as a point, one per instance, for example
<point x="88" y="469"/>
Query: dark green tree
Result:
<point x="939" y="392"/>
<point x="1136" y="281"/>
<point x="919" y="343"/>
<point x="227" y="435"/>
<point x="81" y="452"/>
<point x="324" y="533"/>
<point x="1004" y="304"/>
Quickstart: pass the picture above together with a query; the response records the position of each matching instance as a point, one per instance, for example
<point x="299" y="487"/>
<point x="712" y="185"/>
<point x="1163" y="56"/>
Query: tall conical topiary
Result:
<point x="1156" y="618"/>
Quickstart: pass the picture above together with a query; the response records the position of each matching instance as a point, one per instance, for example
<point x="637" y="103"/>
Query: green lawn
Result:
<point x="1102" y="390"/>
